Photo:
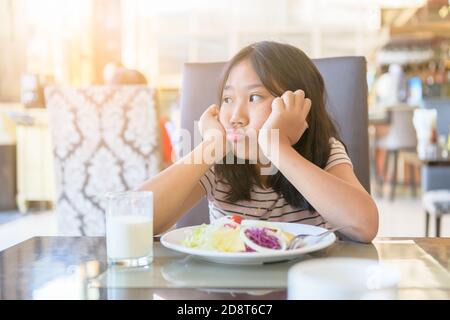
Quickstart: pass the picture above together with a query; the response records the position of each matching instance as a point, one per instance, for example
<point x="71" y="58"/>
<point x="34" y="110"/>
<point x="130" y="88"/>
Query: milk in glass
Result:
<point x="129" y="228"/>
<point x="129" y="236"/>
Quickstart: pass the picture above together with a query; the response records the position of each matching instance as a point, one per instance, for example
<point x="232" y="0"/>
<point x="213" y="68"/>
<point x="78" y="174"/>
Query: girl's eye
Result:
<point x="227" y="100"/>
<point x="255" y="97"/>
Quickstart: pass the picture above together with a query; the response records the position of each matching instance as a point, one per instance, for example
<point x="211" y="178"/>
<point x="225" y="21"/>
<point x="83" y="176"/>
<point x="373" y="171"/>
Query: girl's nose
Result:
<point x="239" y="117"/>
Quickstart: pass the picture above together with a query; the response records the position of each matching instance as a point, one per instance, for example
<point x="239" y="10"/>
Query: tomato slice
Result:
<point x="236" y="218"/>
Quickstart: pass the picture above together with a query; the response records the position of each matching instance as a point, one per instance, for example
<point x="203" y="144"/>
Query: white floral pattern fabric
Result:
<point x="105" y="138"/>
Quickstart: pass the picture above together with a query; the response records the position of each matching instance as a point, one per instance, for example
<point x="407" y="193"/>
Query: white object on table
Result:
<point x="129" y="228"/>
<point x="173" y="240"/>
<point x="342" y="278"/>
<point x="128" y="236"/>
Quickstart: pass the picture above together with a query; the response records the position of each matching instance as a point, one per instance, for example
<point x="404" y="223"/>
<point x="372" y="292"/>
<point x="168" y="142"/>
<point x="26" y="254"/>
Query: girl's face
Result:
<point x="245" y="106"/>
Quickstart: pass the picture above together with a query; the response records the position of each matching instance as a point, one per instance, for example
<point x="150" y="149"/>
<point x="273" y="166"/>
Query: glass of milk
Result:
<point x="129" y="228"/>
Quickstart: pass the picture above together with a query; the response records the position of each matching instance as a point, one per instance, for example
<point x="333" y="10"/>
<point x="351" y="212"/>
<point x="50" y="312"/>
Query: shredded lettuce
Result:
<point x="220" y="237"/>
<point x="197" y="238"/>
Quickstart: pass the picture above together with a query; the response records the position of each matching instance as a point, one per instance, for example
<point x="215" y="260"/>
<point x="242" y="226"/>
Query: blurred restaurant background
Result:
<point x="89" y="43"/>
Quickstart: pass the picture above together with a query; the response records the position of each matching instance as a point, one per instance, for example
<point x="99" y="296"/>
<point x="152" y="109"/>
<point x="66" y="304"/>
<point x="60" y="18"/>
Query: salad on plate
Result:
<point x="233" y="234"/>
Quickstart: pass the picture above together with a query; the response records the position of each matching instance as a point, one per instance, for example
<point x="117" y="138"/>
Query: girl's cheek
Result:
<point x="262" y="121"/>
<point x="261" y="116"/>
<point x="223" y="116"/>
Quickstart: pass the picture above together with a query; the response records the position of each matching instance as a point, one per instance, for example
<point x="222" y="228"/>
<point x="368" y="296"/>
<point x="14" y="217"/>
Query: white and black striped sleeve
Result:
<point x="208" y="182"/>
<point x="338" y="154"/>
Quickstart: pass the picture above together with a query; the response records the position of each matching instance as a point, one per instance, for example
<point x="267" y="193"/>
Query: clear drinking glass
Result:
<point x="129" y="228"/>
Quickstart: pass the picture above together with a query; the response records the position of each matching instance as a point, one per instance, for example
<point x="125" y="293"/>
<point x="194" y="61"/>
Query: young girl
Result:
<point x="268" y="86"/>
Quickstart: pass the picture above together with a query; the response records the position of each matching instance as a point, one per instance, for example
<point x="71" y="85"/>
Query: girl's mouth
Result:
<point x="235" y="135"/>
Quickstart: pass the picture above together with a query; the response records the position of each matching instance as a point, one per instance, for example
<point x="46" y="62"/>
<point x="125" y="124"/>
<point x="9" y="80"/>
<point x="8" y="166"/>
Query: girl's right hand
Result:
<point x="212" y="130"/>
<point x="209" y="125"/>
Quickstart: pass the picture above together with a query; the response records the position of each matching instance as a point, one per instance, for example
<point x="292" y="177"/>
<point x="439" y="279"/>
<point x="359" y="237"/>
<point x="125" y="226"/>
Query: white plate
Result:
<point x="173" y="239"/>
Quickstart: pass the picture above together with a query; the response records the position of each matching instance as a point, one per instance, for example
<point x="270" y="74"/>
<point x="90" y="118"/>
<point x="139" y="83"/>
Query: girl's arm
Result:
<point x="177" y="188"/>
<point x="336" y="194"/>
<point x="173" y="187"/>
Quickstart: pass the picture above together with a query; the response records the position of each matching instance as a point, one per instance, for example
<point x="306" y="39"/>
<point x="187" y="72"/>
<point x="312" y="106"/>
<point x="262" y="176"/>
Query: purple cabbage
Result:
<point x="262" y="238"/>
<point x="248" y="249"/>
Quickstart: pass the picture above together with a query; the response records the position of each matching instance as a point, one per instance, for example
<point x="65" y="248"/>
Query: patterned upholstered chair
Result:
<point x="105" y="138"/>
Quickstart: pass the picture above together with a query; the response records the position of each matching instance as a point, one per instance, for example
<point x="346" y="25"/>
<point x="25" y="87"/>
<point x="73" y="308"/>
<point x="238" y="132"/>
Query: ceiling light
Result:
<point x="443" y="12"/>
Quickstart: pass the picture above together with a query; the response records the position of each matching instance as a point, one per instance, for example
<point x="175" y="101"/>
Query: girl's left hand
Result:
<point x="288" y="116"/>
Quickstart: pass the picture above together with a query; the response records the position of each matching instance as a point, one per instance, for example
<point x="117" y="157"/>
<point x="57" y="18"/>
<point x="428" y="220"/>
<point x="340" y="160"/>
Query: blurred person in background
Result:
<point x="390" y="88"/>
<point x="114" y="73"/>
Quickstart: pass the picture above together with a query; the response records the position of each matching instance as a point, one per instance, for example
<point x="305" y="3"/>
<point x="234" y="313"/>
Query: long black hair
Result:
<point x="282" y="67"/>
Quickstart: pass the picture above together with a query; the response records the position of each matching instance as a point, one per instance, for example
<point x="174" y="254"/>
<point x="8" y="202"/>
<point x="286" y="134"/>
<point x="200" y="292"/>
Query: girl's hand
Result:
<point x="209" y="124"/>
<point x="212" y="130"/>
<point x="288" y="115"/>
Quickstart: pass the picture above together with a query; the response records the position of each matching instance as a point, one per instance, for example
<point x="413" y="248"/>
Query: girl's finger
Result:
<point x="299" y="98"/>
<point x="288" y="99"/>
<point x="213" y="109"/>
<point x="211" y="112"/>
<point x="278" y="104"/>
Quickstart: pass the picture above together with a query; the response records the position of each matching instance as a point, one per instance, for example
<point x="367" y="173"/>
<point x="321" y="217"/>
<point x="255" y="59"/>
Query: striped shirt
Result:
<point x="265" y="203"/>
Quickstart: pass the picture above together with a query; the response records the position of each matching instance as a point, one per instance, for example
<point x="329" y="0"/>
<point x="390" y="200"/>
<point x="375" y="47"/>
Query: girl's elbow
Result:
<point x="364" y="234"/>
<point x="368" y="235"/>
<point x="368" y="228"/>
